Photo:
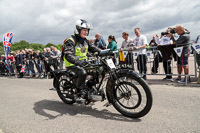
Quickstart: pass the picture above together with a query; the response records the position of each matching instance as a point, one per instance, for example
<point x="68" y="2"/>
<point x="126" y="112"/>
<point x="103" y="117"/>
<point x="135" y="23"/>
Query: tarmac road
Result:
<point x="29" y="106"/>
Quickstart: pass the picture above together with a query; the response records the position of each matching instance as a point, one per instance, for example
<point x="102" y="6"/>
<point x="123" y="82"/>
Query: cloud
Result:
<point x="52" y="21"/>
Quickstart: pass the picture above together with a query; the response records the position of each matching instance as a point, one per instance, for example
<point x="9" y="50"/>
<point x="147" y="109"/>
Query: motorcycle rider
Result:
<point x="75" y="52"/>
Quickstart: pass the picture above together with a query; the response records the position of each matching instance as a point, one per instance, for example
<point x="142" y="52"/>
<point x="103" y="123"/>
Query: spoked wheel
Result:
<point x="132" y="97"/>
<point x="65" y="89"/>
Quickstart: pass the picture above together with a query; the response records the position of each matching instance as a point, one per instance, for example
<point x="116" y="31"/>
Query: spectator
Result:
<point x="140" y="43"/>
<point x="32" y="56"/>
<point x="112" y="43"/>
<point x="183" y="40"/>
<point x="99" y="41"/>
<point x="91" y="41"/>
<point x="18" y="63"/>
<point x="55" y="57"/>
<point x="52" y="47"/>
<point x="157" y="57"/>
<point x="47" y="60"/>
<point x="127" y="44"/>
<point x="3" y="69"/>
<point x="198" y="57"/>
<point x="166" y="50"/>
<point x="198" y="39"/>
<point x="38" y="63"/>
<point x="11" y="62"/>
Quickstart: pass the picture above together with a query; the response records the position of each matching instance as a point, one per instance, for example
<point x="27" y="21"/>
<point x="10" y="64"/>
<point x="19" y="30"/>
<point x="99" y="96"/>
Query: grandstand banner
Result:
<point x="125" y="53"/>
<point x="135" y="54"/>
<point x="7" y="38"/>
<point x="178" y="51"/>
<point x="196" y="47"/>
<point x="148" y="53"/>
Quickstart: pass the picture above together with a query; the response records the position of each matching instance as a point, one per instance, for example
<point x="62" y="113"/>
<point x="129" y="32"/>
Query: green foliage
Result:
<point x="37" y="46"/>
<point x="1" y="48"/>
<point x="59" y="47"/>
<point x="50" y="44"/>
<point x="24" y="44"/>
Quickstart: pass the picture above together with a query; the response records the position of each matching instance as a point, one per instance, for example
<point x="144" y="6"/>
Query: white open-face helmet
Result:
<point x="82" y="24"/>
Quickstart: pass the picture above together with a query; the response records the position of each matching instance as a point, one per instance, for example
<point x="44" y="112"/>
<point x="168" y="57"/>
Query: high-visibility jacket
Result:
<point x="80" y="52"/>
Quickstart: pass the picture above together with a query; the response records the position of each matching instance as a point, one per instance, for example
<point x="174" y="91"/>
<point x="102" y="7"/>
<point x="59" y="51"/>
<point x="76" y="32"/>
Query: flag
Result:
<point x="135" y="53"/>
<point x="23" y="68"/>
<point x="125" y="53"/>
<point x="178" y="51"/>
<point x="148" y="53"/>
<point x="7" y="38"/>
<point x="196" y="47"/>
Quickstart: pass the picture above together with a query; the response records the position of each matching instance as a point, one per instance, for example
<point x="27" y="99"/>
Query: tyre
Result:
<point x="132" y="96"/>
<point x="65" y="88"/>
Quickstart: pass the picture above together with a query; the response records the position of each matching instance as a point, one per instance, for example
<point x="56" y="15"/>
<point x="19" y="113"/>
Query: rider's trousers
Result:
<point x="81" y="74"/>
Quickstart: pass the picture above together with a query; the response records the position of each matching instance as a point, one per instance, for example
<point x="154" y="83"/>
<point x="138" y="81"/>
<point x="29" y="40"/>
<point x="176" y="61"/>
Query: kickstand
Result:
<point x="107" y="104"/>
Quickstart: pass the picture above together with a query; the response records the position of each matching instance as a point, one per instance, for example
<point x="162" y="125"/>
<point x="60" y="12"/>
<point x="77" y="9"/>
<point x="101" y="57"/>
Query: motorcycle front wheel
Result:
<point x="132" y="96"/>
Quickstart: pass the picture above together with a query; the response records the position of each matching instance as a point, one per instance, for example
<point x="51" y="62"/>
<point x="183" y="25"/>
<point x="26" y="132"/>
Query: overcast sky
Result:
<point x="51" y="21"/>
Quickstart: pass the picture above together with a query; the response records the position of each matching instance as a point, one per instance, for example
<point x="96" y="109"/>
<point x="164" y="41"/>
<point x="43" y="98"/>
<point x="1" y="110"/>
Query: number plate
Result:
<point x="111" y="63"/>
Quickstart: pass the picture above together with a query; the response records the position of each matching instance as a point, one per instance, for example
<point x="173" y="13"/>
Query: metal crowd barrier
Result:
<point x="156" y="56"/>
<point x="52" y="64"/>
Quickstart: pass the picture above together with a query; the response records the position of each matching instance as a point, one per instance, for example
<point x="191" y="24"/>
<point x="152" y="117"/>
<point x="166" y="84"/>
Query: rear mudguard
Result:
<point x="58" y="72"/>
<point x="110" y="82"/>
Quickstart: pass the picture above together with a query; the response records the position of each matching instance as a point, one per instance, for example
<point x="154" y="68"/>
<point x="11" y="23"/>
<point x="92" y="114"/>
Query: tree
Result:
<point x="50" y="44"/>
<point x="36" y="46"/>
<point x="19" y="45"/>
<point x="59" y="47"/>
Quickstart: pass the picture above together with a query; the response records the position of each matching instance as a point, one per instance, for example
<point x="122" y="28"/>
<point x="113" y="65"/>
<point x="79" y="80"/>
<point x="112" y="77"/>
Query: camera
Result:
<point x="173" y="31"/>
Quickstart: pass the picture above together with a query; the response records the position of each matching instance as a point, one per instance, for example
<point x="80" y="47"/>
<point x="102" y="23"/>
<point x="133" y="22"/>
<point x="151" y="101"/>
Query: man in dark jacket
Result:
<point x="99" y="41"/>
<point x="18" y="63"/>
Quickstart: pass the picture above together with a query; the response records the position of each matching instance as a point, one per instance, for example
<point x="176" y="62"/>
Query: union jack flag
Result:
<point x="7" y="38"/>
<point x="23" y="68"/>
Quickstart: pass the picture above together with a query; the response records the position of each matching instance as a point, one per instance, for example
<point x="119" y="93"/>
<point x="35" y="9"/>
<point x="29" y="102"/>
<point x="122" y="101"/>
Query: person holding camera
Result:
<point x="166" y="48"/>
<point x="183" y="40"/>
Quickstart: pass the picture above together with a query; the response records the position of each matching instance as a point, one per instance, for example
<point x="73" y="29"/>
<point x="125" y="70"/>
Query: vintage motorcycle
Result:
<point x="125" y="89"/>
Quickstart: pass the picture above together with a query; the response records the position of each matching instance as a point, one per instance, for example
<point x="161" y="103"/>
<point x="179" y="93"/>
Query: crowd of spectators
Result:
<point x="26" y="61"/>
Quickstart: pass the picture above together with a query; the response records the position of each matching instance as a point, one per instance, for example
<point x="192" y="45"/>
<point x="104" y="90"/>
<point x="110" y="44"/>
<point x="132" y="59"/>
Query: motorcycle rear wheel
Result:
<point x="65" y="89"/>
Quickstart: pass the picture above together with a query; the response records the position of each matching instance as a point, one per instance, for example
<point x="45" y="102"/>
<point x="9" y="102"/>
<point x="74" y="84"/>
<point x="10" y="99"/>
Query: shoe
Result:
<point x="144" y="77"/>
<point x="183" y="81"/>
<point x="33" y="76"/>
<point x="165" y="78"/>
<point x="79" y="99"/>
<point x="177" y="80"/>
<point x="152" y="72"/>
<point x="168" y="79"/>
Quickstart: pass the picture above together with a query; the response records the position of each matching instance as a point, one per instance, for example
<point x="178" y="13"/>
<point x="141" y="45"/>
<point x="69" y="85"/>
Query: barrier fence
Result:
<point x="159" y="60"/>
<point x="163" y="60"/>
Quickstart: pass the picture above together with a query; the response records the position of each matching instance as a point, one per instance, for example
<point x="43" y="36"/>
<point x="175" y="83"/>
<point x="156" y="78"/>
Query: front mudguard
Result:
<point x="111" y="82"/>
